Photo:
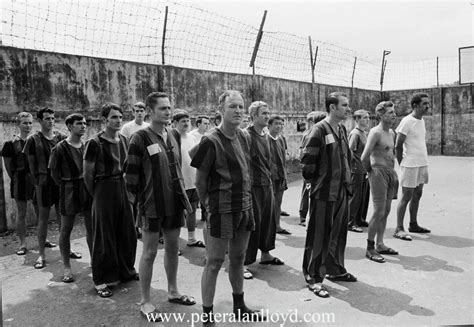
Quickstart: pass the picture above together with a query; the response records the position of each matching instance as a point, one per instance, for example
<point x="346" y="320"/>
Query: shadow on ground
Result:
<point x="377" y="300"/>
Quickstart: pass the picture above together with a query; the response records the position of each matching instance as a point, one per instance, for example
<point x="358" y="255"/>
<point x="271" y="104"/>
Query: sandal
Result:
<point x="49" y="244"/>
<point x="321" y="291"/>
<point x="402" y="235"/>
<point x="374" y="256"/>
<point x="21" y="251"/>
<point x="388" y="251"/>
<point x="68" y="278"/>
<point x="183" y="299"/>
<point x="274" y="261"/>
<point x="355" y="229"/>
<point x="247" y="274"/>
<point x="75" y="255"/>
<point x="40" y="263"/>
<point x="197" y="244"/>
<point x="347" y="277"/>
<point x="104" y="292"/>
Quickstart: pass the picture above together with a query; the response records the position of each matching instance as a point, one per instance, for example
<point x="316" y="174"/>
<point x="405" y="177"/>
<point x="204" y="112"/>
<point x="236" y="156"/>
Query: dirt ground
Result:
<point x="429" y="283"/>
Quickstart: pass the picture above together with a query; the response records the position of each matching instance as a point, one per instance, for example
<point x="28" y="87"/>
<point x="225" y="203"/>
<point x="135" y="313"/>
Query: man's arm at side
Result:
<point x="54" y="165"/>
<point x="201" y="185"/>
<point x="372" y="140"/>
<point x="89" y="173"/>
<point x="399" y="146"/>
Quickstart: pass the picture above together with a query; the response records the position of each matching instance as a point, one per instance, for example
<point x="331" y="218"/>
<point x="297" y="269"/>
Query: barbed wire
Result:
<point x="200" y="39"/>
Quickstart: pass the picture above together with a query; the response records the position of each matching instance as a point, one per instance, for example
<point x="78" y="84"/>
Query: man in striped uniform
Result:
<point x="223" y="183"/>
<point x="16" y="165"/>
<point x="38" y="149"/>
<point x="153" y="174"/>
<point x="325" y="164"/>
<point x="114" y="236"/>
<point x="65" y="164"/>
<point x="278" y="149"/>
<point x="263" y="201"/>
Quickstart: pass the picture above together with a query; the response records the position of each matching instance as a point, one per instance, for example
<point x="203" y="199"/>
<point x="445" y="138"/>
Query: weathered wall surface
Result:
<point x="449" y="123"/>
<point x="31" y="79"/>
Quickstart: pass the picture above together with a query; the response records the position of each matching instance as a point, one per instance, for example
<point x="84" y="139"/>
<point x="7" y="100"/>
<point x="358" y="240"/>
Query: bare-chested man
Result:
<point x="379" y="159"/>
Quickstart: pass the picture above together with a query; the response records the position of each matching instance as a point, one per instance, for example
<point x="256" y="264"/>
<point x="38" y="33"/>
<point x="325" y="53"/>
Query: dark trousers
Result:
<point x="304" y="204"/>
<point x="359" y="201"/>
<point x="114" y="237"/>
<point x="326" y="238"/>
<point x="263" y="237"/>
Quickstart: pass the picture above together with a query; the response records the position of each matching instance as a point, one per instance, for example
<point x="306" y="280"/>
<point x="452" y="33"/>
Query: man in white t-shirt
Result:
<point x="202" y="124"/>
<point x="412" y="157"/>
<point x="138" y="123"/>
<point x="186" y="142"/>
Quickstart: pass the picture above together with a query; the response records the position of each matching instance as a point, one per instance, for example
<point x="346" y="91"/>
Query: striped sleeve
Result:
<point x="205" y="156"/>
<point x="134" y="165"/>
<point x="311" y="154"/>
<point x="91" y="151"/>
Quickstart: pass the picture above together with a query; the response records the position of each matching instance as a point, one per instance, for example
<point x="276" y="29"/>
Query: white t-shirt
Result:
<point x="131" y="127"/>
<point x="198" y="136"/>
<point x="189" y="173"/>
<point x="415" y="153"/>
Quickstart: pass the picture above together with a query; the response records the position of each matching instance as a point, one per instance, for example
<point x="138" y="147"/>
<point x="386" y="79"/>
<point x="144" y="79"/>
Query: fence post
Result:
<point x="255" y="51"/>
<point x="353" y="72"/>
<point x="313" y="66"/>
<point x="437" y="71"/>
<point x="382" y="71"/>
<point x="164" y="37"/>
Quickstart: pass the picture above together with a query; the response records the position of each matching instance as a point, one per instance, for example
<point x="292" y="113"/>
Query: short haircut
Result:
<point x="200" y="118"/>
<point x="180" y="114"/>
<point x="226" y="94"/>
<point x="106" y="108"/>
<point x="43" y="111"/>
<point x="333" y="98"/>
<point x="381" y="108"/>
<point x="23" y="114"/>
<point x="358" y="114"/>
<point x="416" y="99"/>
<point x="140" y="105"/>
<point x="152" y="98"/>
<point x="73" y="118"/>
<point x="255" y="106"/>
<point x="275" y="117"/>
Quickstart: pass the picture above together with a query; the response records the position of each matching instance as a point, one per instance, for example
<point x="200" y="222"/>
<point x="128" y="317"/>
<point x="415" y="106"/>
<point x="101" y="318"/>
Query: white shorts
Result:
<point x="411" y="177"/>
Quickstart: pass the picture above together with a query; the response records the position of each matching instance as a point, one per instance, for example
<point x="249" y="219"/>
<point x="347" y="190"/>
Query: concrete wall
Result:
<point x="31" y="79"/>
<point x="449" y="124"/>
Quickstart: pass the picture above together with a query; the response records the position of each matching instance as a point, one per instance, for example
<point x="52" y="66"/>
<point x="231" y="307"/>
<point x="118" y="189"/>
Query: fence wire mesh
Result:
<point x="200" y="39"/>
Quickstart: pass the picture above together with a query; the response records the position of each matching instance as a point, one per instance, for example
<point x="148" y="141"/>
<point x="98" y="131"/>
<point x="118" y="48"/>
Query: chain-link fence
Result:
<point x="184" y="35"/>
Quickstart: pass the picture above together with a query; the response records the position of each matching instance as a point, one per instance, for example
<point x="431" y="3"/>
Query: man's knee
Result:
<point x="407" y="194"/>
<point x="214" y="262"/>
<point x="149" y="255"/>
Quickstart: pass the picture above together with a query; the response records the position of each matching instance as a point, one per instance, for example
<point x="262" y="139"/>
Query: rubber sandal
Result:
<point x="355" y="229"/>
<point x="68" y="278"/>
<point x="418" y="229"/>
<point x="75" y="255"/>
<point x="248" y="274"/>
<point x="49" y="244"/>
<point x="40" y="264"/>
<point x="284" y="232"/>
<point x="104" y="292"/>
<point x="388" y="251"/>
<point x="374" y="256"/>
<point x="347" y="277"/>
<point x="21" y="251"/>
<point x="183" y="299"/>
<point x="402" y="235"/>
<point x="275" y="262"/>
<point x="197" y="244"/>
<point x="321" y="292"/>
